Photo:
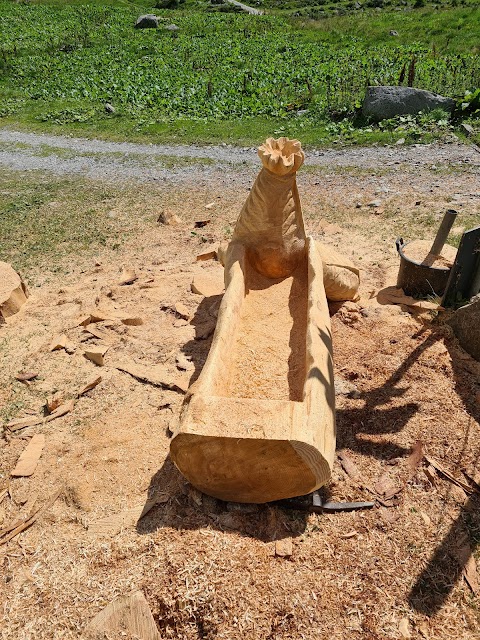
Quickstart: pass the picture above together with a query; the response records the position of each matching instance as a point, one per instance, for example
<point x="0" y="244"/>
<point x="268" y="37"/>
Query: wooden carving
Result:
<point x="259" y="423"/>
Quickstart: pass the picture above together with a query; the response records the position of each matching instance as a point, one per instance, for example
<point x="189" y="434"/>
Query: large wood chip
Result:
<point x="348" y="465"/>
<point x="21" y="423"/>
<point x="386" y="487"/>
<point x="129" y="615"/>
<point x="33" y="518"/>
<point x="414" y="459"/>
<point x="284" y="548"/>
<point x="13" y="292"/>
<point x="208" y="283"/>
<point x="466" y="560"/>
<point x="26" y="376"/>
<point x="27" y="463"/>
<point x="90" y="385"/>
<point x="392" y="295"/>
<point x="31" y="421"/>
<point x="96" y="355"/>
<point x="62" y="342"/>
<point x="155" y="375"/>
<point x="133" y="321"/>
<point x="208" y="255"/>
<point x="439" y="467"/>
<point x="112" y="525"/>
<point x="94" y="316"/>
<point x="128" y="276"/>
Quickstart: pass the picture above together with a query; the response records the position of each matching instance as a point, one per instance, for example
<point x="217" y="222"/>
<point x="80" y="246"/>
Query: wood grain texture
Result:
<point x="129" y="616"/>
<point x="259" y="423"/>
<point x="27" y="463"/>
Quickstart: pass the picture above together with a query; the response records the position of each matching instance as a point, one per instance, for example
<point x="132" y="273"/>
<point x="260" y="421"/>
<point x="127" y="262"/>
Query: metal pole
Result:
<point x="442" y="233"/>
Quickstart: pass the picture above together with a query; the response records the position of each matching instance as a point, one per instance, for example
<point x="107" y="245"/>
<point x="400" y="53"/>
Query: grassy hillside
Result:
<point x="224" y="74"/>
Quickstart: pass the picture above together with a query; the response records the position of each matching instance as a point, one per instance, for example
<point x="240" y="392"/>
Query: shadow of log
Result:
<point x="445" y="568"/>
<point x="187" y="508"/>
<point x="204" y="321"/>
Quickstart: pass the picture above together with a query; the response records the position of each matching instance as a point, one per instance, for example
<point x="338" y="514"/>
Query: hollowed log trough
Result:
<point x="259" y="423"/>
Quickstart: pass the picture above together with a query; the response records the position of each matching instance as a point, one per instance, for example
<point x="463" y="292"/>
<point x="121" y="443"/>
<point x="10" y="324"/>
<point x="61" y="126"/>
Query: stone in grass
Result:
<point x="381" y="103"/>
<point x="147" y="21"/>
<point x="465" y="323"/>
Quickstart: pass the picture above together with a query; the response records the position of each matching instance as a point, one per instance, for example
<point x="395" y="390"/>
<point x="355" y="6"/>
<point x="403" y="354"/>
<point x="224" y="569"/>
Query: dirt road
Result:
<point x="123" y="160"/>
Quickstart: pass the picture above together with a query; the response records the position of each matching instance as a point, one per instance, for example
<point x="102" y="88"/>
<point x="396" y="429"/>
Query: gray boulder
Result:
<point x="387" y="102"/>
<point x="147" y="21"/>
<point x="465" y="323"/>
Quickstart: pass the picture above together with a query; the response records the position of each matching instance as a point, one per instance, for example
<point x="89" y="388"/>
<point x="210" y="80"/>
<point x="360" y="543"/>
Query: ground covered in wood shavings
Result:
<point x="209" y="569"/>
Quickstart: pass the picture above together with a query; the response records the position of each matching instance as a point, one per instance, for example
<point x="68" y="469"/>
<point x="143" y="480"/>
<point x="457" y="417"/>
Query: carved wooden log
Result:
<point x="259" y="423"/>
<point x="13" y="292"/>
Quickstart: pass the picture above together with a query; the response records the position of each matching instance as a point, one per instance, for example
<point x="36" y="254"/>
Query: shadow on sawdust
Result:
<point x="187" y="509"/>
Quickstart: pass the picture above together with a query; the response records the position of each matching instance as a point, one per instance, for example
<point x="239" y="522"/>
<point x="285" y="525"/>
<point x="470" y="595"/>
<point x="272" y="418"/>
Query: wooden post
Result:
<point x="464" y="280"/>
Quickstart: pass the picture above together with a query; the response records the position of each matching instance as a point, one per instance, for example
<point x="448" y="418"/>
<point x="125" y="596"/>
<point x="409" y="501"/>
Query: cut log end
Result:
<point x="248" y="469"/>
<point x="13" y="292"/>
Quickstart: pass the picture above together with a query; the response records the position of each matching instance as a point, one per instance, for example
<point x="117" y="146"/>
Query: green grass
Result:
<point x="222" y="77"/>
<point x="45" y="220"/>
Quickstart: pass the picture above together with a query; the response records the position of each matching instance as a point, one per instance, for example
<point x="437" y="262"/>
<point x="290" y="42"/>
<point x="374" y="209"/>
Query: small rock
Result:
<point x="210" y="205"/>
<point x="400" y="141"/>
<point x="393" y="32"/>
<point x="109" y="108"/>
<point x="388" y="102"/>
<point x="374" y="204"/>
<point x="358" y="205"/>
<point x="172" y="27"/>
<point x="147" y="21"/>
<point x="168" y="218"/>
<point x="469" y="130"/>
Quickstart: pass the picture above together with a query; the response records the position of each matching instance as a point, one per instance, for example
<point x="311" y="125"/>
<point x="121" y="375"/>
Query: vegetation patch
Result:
<point x="60" y="64"/>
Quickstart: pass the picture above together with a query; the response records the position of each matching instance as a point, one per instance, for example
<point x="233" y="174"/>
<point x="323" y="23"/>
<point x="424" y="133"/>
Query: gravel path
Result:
<point x="151" y="162"/>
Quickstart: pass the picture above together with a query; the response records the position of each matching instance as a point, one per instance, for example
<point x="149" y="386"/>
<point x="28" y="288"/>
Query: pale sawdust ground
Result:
<point x="208" y="570"/>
